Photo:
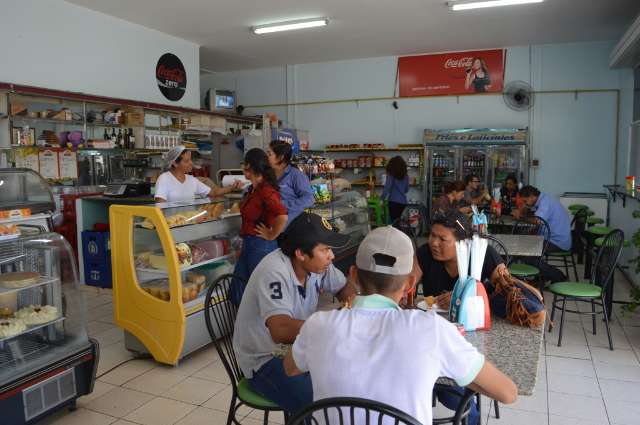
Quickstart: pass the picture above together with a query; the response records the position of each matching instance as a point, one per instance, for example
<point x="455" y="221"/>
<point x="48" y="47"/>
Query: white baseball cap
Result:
<point x="395" y="246"/>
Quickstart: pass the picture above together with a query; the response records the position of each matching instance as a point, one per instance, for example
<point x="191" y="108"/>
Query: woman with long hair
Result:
<point x="478" y="76"/>
<point x="295" y="189"/>
<point x="264" y="217"/>
<point x="396" y="186"/>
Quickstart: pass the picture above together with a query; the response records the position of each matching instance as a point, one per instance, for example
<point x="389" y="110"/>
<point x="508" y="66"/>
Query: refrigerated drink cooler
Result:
<point x="491" y="154"/>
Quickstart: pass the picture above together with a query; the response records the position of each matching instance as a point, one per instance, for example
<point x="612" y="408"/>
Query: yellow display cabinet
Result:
<point x="164" y="256"/>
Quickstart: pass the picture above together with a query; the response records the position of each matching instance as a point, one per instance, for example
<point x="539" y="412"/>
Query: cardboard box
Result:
<point x="134" y="119"/>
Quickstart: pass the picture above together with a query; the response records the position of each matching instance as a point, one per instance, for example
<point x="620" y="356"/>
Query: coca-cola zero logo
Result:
<point x="171" y="77"/>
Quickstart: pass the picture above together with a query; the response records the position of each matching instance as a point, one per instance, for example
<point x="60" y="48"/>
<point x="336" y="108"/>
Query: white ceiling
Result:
<point x="365" y="28"/>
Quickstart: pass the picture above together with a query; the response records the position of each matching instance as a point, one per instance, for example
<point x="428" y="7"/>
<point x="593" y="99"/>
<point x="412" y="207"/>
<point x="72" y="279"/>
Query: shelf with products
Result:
<point x="179" y="249"/>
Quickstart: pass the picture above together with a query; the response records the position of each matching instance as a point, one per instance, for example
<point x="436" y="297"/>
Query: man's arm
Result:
<point x="283" y="329"/>
<point x="494" y="384"/>
<point x="290" y="367"/>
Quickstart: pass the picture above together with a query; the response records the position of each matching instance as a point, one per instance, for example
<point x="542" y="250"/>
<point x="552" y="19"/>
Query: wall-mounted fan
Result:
<point x="518" y="96"/>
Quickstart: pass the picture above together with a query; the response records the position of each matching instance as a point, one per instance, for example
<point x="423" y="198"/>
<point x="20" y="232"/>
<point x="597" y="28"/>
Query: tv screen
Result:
<point x="225" y="101"/>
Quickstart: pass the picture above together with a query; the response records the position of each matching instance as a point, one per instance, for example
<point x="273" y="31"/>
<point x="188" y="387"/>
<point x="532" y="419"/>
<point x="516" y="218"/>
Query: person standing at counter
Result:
<point x="295" y="189"/>
<point x="396" y="186"/>
<point x="264" y="217"/>
<point x="177" y="184"/>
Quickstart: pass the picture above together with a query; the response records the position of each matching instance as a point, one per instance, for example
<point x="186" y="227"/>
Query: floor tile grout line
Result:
<point x="606" y="411"/>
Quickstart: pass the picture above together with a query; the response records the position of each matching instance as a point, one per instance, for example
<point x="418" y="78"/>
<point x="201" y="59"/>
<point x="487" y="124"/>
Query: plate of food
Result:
<point x="429" y="303"/>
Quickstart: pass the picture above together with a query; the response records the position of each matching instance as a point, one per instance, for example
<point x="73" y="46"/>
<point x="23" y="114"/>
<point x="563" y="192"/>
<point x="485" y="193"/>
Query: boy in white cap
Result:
<point x="378" y="351"/>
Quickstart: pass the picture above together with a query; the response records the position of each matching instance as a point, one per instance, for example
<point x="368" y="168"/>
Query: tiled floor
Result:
<point x="581" y="383"/>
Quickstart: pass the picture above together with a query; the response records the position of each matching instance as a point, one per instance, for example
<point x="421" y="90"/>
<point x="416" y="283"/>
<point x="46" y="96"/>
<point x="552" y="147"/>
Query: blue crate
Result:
<point x="97" y="274"/>
<point x="96" y="246"/>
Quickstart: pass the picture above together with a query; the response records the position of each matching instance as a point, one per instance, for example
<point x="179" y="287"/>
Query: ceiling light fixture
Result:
<point x="290" y="25"/>
<point x="490" y="3"/>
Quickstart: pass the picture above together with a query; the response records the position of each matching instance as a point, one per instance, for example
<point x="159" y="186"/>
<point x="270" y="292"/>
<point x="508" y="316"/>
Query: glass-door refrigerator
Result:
<point x="491" y="154"/>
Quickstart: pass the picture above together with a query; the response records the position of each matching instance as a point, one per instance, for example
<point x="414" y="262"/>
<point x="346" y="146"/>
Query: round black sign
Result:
<point x="171" y="77"/>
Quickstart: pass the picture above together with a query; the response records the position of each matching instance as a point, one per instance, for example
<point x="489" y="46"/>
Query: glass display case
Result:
<point x="164" y="257"/>
<point x="46" y="357"/>
<point x="349" y="214"/>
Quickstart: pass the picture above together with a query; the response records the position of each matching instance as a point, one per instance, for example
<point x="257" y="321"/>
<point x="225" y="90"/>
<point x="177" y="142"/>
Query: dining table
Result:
<point x="522" y="245"/>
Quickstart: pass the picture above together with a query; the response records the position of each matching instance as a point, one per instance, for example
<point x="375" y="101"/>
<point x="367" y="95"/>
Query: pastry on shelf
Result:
<point x="184" y="254"/>
<point x="11" y="327"/>
<point x="37" y="314"/>
<point x="235" y="208"/>
<point x="5" y="312"/>
<point x="18" y="279"/>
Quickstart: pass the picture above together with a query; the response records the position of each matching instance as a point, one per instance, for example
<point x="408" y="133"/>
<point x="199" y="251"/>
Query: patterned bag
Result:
<point x="518" y="302"/>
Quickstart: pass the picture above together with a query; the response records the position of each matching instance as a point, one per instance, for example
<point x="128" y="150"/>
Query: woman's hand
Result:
<point x="266" y="232"/>
<point x="237" y="185"/>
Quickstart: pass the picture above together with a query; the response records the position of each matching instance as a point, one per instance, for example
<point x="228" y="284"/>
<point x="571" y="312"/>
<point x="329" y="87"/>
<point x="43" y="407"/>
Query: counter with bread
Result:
<point x="164" y="257"/>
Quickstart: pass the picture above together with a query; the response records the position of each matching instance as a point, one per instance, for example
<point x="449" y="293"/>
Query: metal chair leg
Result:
<point x="593" y="316"/>
<point x="564" y="302"/>
<point x="497" y="409"/>
<point x="575" y="268"/>
<point x="606" y="322"/>
<point x="553" y="312"/>
<point x="266" y="418"/>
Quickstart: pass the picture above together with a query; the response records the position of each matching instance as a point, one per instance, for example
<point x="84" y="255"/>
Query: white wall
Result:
<point x="57" y="45"/>
<point x="573" y="137"/>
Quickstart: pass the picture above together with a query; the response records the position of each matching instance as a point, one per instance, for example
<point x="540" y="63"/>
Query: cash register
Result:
<point x="128" y="189"/>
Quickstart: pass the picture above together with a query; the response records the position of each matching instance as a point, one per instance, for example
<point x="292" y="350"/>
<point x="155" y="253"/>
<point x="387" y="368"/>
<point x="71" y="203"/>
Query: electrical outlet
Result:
<point x="535" y="162"/>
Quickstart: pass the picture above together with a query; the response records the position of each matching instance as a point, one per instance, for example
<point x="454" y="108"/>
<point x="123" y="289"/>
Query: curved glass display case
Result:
<point x="347" y="212"/>
<point x="164" y="257"/>
<point x="46" y="357"/>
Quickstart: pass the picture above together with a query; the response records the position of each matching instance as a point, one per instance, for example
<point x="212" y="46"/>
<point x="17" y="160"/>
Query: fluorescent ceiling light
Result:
<point x="491" y="3"/>
<point x="290" y="25"/>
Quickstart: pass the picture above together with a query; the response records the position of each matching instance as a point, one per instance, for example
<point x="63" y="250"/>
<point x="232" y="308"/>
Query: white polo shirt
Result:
<point x="273" y="289"/>
<point x="171" y="189"/>
<point x="380" y="352"/>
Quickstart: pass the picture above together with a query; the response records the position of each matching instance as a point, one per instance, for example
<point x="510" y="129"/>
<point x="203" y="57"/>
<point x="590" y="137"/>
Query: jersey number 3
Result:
<point x="276" y="290"/>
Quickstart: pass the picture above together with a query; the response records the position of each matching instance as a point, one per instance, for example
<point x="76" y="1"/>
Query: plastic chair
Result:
<point x="414" y="221"/>
<point x="540" y="227"/>
<point x="220" y="318"/>
<point x="463" y="409"/>
<point x="595" y="290"/>
<point x="351" y="411"/>
<point x="496" y="244"/>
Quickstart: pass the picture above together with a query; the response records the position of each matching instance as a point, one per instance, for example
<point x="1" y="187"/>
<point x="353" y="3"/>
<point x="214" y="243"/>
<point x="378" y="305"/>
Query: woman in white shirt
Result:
<point x="177" y="185"/>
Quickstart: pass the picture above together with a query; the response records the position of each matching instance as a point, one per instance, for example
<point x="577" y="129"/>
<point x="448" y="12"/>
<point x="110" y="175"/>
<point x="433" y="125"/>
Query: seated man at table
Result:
<point x="281" y="294"/>
<point x="377" y="351"/>
<point x="551" y="210"/>
<point x="474" y="194"/>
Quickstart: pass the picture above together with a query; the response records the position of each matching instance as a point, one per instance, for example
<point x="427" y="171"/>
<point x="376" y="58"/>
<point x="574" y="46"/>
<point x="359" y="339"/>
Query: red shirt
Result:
<point x="260" y="205"/>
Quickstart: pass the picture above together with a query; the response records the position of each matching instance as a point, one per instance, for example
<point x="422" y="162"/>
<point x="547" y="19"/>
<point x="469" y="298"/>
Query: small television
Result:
<point x="220" y="100"/>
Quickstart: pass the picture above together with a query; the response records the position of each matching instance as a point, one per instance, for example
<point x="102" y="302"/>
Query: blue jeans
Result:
<point x="451" y="401"/>
<point x="292" y="393"/>
<point x="254" y="249"/>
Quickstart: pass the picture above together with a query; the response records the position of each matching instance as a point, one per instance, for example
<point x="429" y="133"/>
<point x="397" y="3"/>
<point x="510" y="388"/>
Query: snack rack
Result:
<point x="164" y="257"/>
<point x="48" y="361"/>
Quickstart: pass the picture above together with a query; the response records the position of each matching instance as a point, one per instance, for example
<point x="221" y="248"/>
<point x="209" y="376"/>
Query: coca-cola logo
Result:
<point x="465" y="62"/>
<point x="171" y="77"/>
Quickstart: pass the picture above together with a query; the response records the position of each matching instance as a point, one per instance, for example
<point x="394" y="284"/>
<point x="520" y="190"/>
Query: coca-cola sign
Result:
<point x="171" y="77"/>
<point x="451" y="73"/>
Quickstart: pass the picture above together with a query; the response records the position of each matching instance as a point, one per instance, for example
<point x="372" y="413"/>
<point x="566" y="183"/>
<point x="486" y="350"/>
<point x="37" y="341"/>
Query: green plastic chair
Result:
<point x="599" y="241"/>
<point x="589" y="213"/>
<point x="576" y="207"/>
<point x="220" y="318"/>
<point x="526" y="271"/>
<point x="591" y="221"/>
<point x="592" y="292"/>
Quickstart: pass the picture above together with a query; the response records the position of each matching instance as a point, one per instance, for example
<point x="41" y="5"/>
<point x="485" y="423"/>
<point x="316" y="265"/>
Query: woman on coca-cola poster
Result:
<point x="478" y="76"/>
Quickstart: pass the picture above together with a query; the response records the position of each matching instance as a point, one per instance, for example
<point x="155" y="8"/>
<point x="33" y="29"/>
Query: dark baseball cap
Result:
<point x="309" y="227"/>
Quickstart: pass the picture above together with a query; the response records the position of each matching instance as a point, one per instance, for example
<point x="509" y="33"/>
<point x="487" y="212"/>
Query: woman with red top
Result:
<point x="264" y="217"/>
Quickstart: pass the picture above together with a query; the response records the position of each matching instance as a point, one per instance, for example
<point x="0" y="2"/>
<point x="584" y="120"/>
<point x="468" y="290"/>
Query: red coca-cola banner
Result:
<point x="452" y="73"/>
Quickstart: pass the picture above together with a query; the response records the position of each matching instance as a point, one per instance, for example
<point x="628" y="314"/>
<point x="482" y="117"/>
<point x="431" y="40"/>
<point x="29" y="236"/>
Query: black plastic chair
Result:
<point x="220" y="318"/>
<point x="350" y="411"/>
<point x="496" y="244"/>
<point x="595" y="290"/>
<point x="461" y="414"/>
